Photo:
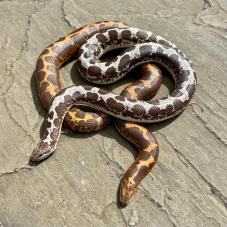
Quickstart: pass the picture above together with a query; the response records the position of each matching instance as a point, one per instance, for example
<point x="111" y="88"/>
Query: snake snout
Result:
<point x="41" y="152"/>
<point x="127" y="190"/>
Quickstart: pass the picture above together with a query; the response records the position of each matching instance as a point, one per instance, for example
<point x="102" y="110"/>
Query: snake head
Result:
<point x="127" y="190"/>
<point x="42" y="151"/>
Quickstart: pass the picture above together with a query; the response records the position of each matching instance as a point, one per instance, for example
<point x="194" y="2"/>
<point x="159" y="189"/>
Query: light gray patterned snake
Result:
<point x="143" y="47"/>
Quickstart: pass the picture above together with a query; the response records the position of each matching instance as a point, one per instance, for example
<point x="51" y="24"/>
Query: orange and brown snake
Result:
<point x="89" y="43"/>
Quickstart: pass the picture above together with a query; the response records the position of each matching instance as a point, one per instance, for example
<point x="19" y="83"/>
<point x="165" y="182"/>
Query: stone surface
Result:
<point x="77" y="186"/>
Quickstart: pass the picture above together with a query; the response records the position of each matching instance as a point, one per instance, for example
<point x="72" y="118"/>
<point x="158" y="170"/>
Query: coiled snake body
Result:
<point x="144" y="47"/>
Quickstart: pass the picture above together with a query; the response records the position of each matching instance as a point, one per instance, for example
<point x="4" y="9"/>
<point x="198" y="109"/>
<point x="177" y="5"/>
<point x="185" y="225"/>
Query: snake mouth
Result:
<point x="34" y="161"/>
<point x="125" y="195"/>
<point x="122" y="201"/>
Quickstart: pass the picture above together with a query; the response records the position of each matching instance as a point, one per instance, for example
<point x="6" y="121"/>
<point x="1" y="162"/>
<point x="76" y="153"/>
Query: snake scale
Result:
<point x="88" y="44"/>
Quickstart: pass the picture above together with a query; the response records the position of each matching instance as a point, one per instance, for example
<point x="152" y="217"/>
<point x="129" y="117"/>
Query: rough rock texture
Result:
<point x="77" y="186"/>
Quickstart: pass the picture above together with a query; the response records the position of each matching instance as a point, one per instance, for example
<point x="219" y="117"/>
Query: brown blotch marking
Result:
<point x="53" y="79"/>
<point x="145" y="49"/>
<point x="159" y="53"/>
<point x="78" y="95"/>
<point x="113" y="35"/>
<point x="103" y="92"/>
<point x="101" y="38"/>
<point x="49" y="59"/>
<point x="54" y="134"/>
<point x="48" y="124"/>
<point x="154" y="111"/>
<point x="52" y="68"/>
<point x="141" y="35"/>
<point x="43" y="86"/>
<point x="120" y="98"/>
<point x="126" y="34"/>
<point x="87" y="87"/>
<point x="92" y="61"/>
<point x="115" y="106"/>
<point x="94" y="71"/>
<point x="57" y="122"/>
<point x="46" y="98"/>
<point x="60" y="109"/>
<point x="123" y="62"/>
<point x="40" y="76"/>
<point x="68" y="99"/>
<point x="174" y="58"/>
<point x="143" y="170"/>
<point x="51" y="115"/>
<point x="146" y="155"/>
<point x="182" y="77"/>
<point x="169" y="108"/>
<point x="190" y="89"/>
<point x="178" y="104"/>
<point x="166" y="111"/>
<point x="102" y="27"/>
<point x="92" y="96"/>
<point x="39" y="64"/>
<point x="45" y="51"/>
<point x="111" y="72"/>
<point x="139" y="110"/>
<point x="165" y="44"/>
<point x="155" y="153"/>
<point x="87" y="55"/>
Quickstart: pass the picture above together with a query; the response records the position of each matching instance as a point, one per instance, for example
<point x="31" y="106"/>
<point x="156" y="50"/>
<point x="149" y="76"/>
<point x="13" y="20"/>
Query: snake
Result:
<point x="48" y="84"/>
<point x="144" y="47"/>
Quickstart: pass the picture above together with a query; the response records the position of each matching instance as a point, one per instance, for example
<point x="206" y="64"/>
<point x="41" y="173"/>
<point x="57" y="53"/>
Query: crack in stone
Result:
<point x="219" y="5"/>
<point x="115" y="165"/>
<point x="15" y="121"/>
<point x="16" y="170"/>
<point x="8" y="72"/>
<point x="207" y="4"/>
<point x="200" y="21"/>
<point x="215" y="192"/>
<point x="207" y="127"/>
<point x="213" y="99"/>
<point x="81" y="9"/>
<point x="67" y="21"/>
<point x="19" y="1"/>
<point x="158" y="205"/>
<point x="110" y="204"/>
<point x="21" y="52"/>
<point x="26" y="39"/>
<point x="210" y="109"/>
<point x="9" y="68"/>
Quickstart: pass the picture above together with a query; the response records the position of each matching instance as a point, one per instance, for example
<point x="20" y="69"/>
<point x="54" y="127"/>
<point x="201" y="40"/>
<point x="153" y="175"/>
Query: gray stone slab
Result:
<point x="77" y="186"/>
